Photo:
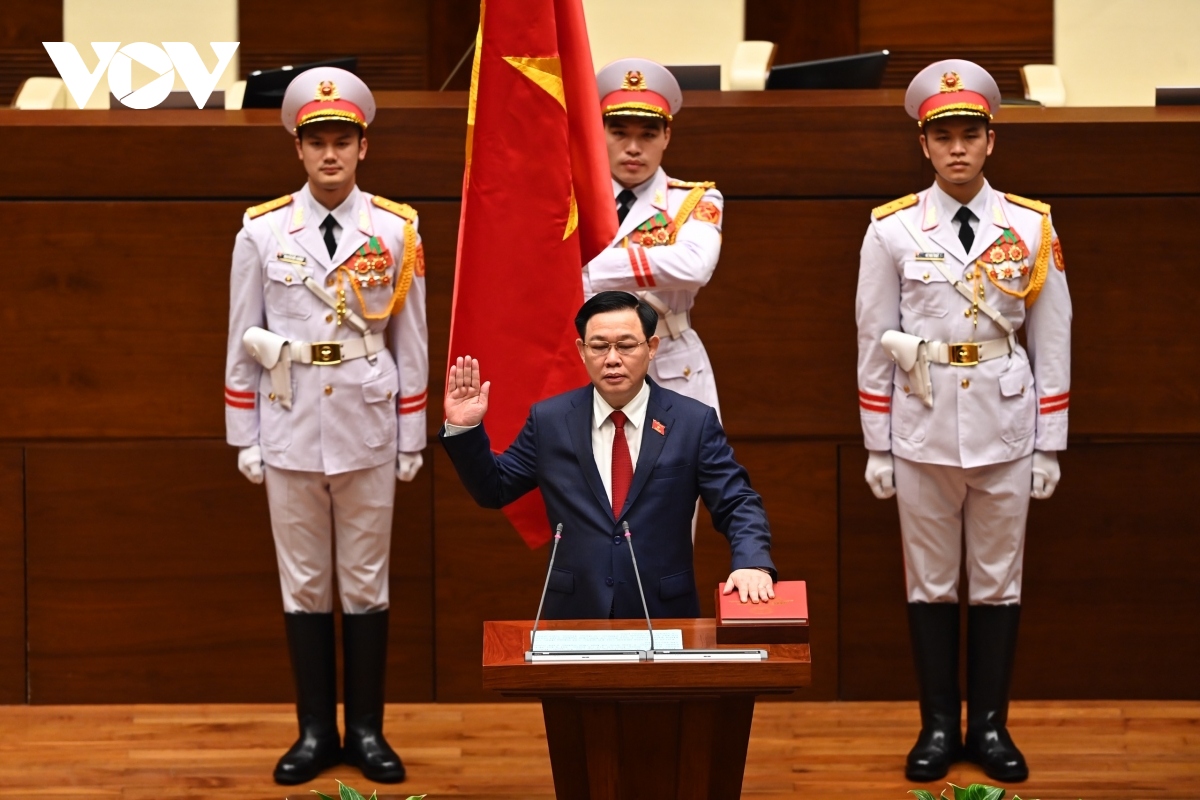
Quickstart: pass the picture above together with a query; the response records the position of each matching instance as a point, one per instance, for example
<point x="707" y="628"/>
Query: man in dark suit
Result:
<point x="581" y="447"/>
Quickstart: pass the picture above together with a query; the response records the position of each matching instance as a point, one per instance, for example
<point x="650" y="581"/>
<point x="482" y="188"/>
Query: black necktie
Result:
<point x="330" y="239"/>
<point x="625" y="201"/>
<point x="964" y="217"/>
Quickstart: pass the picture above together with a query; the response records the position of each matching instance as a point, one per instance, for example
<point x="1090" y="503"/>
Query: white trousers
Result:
<point x="942" y="507"/>
<point x="312" y="516"/>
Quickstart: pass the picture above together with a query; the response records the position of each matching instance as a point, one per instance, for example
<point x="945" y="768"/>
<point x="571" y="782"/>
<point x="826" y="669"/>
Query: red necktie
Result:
<point x="622" y="464"/>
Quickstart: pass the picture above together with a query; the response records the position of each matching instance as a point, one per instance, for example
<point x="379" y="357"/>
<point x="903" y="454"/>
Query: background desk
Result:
<point x="136" y="564"/>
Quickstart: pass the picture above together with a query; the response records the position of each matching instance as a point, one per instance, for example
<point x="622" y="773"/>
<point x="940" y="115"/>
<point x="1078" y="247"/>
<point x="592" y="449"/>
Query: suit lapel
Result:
<point x="644" y="208"/>
<point x="652" y="443"/>
<point x="579" y="423"/>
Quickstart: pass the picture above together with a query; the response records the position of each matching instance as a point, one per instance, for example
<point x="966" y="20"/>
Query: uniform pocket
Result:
<point x="274" y="424"/>
<point x="909" y="414"/>
<point x="285" y="293"/>
<point x="925" y="290"/>
<point x="683" y="364"/>
<point x="1017" y="412"/>
<point x="379" y="423"/>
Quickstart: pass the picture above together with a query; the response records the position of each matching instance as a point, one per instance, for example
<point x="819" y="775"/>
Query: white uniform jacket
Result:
<point x="348" y="416"/>
<point x="668" y="245"/>
<point x="998" y="410"/>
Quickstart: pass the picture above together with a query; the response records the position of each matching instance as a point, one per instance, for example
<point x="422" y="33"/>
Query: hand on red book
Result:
<point x="753" y="585"/>
<point x="466" y="400"/>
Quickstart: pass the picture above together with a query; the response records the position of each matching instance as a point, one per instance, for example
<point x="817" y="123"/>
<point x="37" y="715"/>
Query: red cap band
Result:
<point x="964" y="103"/>
<point x="326" y="110"/>
<point x="631" y="102"/>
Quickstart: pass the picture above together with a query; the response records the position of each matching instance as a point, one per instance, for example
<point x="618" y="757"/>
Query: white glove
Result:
<point x="879" y="474"/>
<point x="1045" y="474"/>
<point x="250" y="463"/>
<point x="407" y="465"/>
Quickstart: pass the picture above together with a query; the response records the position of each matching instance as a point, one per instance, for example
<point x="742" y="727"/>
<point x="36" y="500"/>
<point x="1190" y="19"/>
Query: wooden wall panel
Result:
<point x="153" y="579"/>
<point x="817" y="145"/>
<point x="23" y="28"/>
<point x="999" y="37"/>
<point x="390" y="39"/>
<point x="787" y="296"/>
<point x="1110" y="597"/>
<point x="804" y="30"/>
<point x="484" y="571"/>
<point x="12" y="575"/>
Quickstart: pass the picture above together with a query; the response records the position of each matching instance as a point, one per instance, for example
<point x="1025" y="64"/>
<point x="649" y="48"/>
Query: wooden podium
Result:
<point x="643" y="730"/>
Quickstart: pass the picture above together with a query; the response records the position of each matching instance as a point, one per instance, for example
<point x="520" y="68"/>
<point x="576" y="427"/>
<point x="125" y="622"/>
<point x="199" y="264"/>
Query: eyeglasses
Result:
<point x="600" y="349"/>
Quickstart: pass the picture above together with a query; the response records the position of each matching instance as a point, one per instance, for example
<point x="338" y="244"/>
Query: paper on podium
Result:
<point x="670" y="639"/>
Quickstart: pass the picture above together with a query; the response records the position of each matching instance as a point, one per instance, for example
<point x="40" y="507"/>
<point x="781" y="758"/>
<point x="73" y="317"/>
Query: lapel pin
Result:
<point x="659" y="428"/>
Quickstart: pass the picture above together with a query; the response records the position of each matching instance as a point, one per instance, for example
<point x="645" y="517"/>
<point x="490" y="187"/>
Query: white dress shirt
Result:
<point x="604" y="431"/>
<point x="979" y="206"/>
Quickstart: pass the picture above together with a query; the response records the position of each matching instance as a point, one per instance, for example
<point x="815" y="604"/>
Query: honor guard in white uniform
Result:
<point x="962" y="422"/>
<point x="325" y="393"/>
<point x="669" y="237"/>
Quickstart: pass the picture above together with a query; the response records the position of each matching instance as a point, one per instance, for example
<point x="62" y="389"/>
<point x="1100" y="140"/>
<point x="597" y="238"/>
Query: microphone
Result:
<point x="638" y="576"/>
<point x="545" y="588"/>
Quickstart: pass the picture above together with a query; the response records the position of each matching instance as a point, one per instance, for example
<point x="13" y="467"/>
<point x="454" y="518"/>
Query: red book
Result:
<point x="790" y="606"/>
<point x="782" y="620"/>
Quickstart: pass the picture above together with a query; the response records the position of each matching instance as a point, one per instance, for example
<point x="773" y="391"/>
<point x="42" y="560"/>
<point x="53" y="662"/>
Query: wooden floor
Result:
<point x="1089" y="750"/>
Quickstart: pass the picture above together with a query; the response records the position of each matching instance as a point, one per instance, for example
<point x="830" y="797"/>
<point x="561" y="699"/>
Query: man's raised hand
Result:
<point x="466" y="400"/>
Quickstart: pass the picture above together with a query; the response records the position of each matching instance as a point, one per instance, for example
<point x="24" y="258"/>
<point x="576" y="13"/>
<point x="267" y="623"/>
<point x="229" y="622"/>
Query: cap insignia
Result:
<point x="634" y="82"/>
<point x="327" y="90"/>
<point x="951" y="82"/>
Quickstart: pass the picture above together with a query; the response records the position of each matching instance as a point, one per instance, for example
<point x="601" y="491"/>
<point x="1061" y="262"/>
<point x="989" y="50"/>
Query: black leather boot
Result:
<point x="991" y="647"/>
<point x="933" y="628"/>
<point x="364" y="648"/>
<point x="314" y="665"/>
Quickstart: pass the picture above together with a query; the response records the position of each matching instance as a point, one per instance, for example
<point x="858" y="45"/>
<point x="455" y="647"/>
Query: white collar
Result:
<point x="978" y="204"/>
<point x="635" y="409"/>
<point x="346" y="214"/>
<point x="639" y="190"/>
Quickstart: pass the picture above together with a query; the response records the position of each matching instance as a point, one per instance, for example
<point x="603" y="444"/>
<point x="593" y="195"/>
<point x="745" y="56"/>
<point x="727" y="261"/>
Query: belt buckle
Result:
<point x="964" y="354"/>
<point x="326" y="354"/>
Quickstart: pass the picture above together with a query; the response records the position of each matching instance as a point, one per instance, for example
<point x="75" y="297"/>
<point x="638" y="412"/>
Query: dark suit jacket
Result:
<point x="593" y="572"/>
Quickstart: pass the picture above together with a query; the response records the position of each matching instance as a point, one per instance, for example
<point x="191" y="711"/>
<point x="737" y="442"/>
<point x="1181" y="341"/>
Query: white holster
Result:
<point x="911" y="354"/>
<point x="271" y="350"/>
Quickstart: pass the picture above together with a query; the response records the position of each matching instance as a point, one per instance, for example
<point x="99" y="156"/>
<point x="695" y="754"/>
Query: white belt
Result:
<point x="326" y="354"/>
<point x="672" y="324"/>
<point x="967" y="354"/>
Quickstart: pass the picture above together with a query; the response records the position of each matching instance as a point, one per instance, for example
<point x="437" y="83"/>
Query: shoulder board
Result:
<point x="1035" y="205"/>
<point x="887" y="209"/>
<point x="399" y="209"/>
<point x="270" y="205"/>
<point x="674" y="184"/>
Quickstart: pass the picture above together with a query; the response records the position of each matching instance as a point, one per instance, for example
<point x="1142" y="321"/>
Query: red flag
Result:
<point x="537" y="205"/>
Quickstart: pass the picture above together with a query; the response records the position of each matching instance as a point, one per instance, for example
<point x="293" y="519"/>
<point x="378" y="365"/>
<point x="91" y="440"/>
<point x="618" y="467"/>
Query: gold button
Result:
<point x="287" y="278"/>
<point x="687" y="371"/>
<point x="271" y="396"/>
<point x="925" y="277"/>
<point x="329" y="389"/>
<point x="906" y="389"/>
<point x="965" y="384"/>
<point x="329" y="317"/>
<point x="970" y="274"/>
<point x="389" y="395"/>
<point x="329" y="281"/>
<point x="1022" y="390"/>
<point x="966" y="312"/>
